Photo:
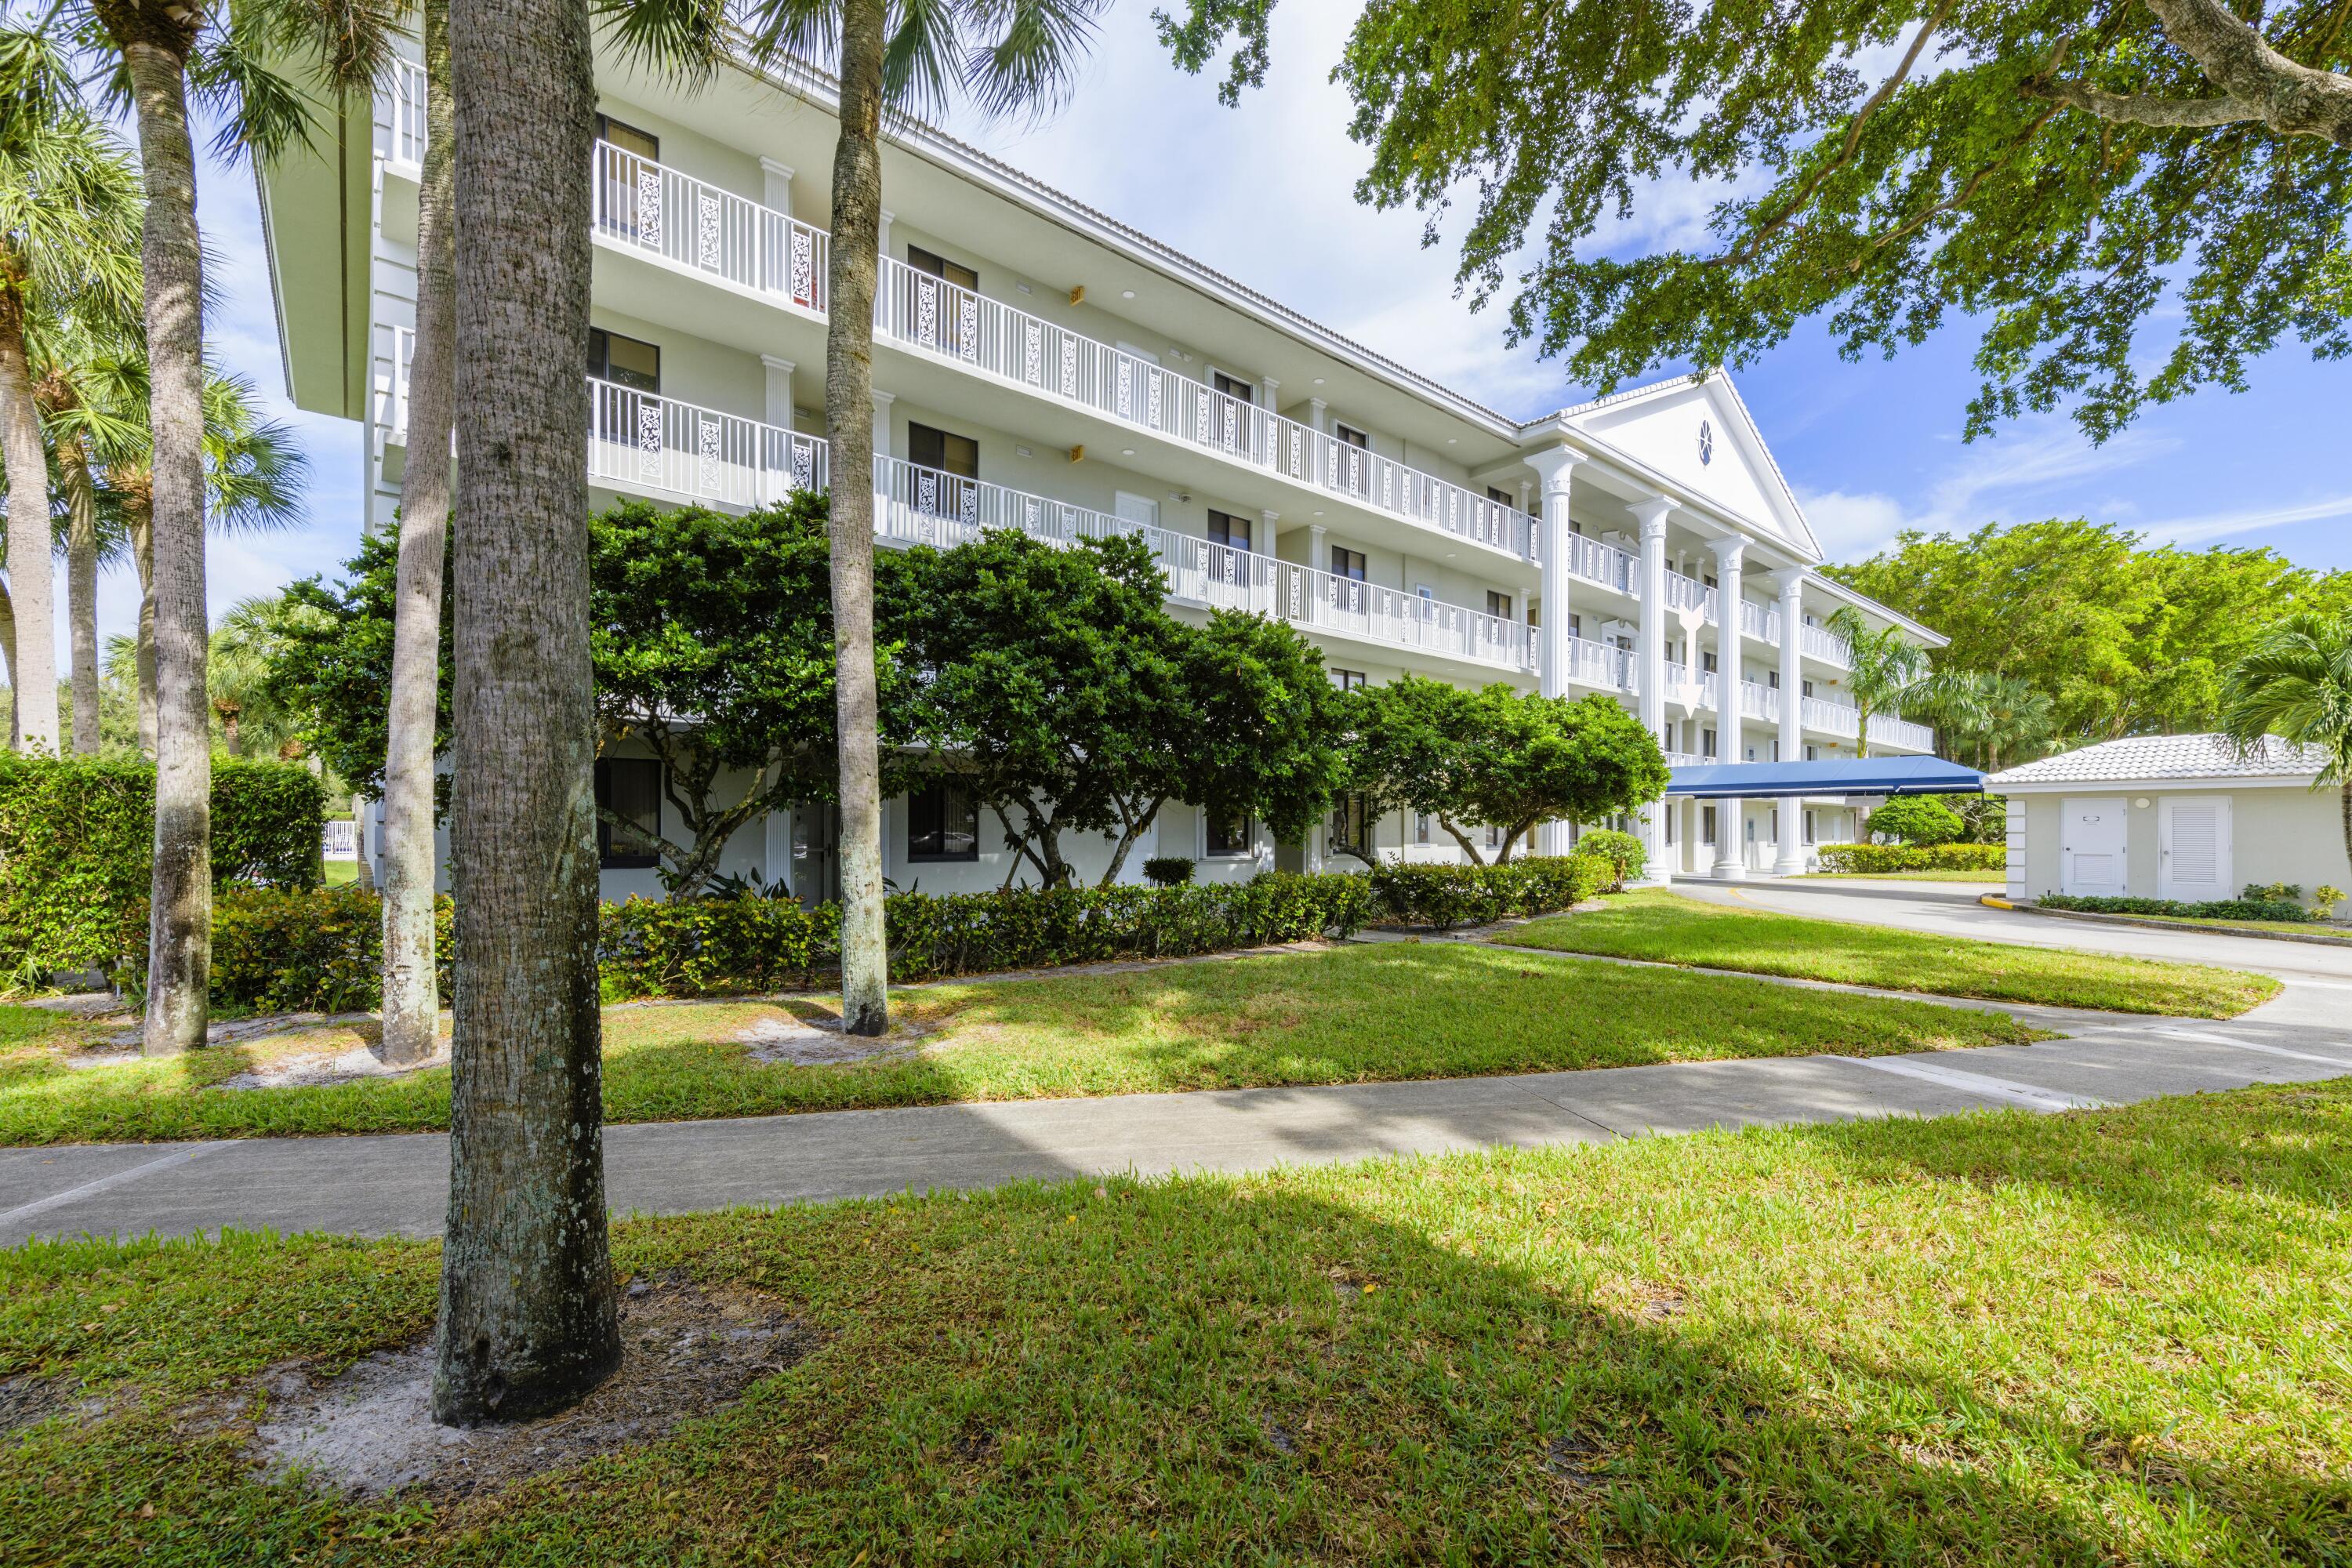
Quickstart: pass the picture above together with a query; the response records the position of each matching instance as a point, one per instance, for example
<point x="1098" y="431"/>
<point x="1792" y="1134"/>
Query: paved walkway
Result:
<point x="397" y="1186"/>
<point x="2319" y="979"/>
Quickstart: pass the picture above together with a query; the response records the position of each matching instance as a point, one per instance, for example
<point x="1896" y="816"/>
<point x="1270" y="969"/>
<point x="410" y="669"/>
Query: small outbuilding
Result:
<point x="2171" y="816"/>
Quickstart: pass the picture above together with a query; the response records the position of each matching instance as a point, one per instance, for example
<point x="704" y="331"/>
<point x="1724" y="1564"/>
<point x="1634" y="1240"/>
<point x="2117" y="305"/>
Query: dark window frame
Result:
<point x="1222" y="528"/>
<point x="1238" y="847"/>
<point x="608" y="859"/>
<point x="927" y="818"/>
<point x="600" y="363"/>
<point x="945" y="270"/>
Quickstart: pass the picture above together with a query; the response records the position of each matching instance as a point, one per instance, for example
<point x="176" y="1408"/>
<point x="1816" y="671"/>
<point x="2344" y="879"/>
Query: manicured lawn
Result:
<point x="343" y="873"/>
<point x="2300" y="928"/>
<point x="2105" y="1336"/>
<point x="1988" y="878"/>
<point x="1358" y="1014"/>
<point x="1673" y="929"/>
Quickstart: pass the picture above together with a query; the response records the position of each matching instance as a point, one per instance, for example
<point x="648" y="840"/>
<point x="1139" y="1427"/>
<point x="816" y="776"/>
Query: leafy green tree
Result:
<point x="2057" y="168"/>
<point x="238" y="674"/>
<point x="1004" y="56"/>
<point x="1883" y="666"/>
<point x="330" y="654"/>
<point x="1498" y="756"/>
<point x="2296" y="684"/>
<point x="712" y="643"/>
<point x="2116" y="637"/>
<point x="1915" y="820"/>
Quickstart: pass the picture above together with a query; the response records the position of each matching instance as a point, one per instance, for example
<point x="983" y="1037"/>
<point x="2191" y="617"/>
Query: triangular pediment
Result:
<point x="1698" y="437"/>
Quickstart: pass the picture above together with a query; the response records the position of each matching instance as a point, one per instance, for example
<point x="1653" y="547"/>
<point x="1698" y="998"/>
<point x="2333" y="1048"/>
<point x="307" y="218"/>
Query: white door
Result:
<point x="2091" y="848"/>
<point x="2193" y="859"/>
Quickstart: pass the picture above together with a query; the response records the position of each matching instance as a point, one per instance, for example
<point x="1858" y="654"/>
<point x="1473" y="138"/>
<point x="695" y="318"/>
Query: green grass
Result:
<point x="1672" y="929"/>
<point x="1988" y="878"/>
<point x="2103" y="1337"/>
<point x="1359" y="1014"/>
<point x="343" y="873"/>
<point x="2300" y="928"/>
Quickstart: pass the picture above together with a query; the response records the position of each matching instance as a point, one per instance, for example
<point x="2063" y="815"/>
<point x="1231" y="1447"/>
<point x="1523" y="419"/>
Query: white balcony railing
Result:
<point x="1757" y="701"/>
<point x="1689" y="593"/>
<point x="640" y="440"/>
<point x="645" y="205"/>
<point x="1822" y="643"/>
<point x="1760" y="621"/>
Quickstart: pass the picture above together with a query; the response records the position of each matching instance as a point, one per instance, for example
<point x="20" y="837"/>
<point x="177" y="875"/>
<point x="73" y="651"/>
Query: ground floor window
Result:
<point x="1707" y="824"/>
<point x="629" y="788"/>
<point x="1421" y="828"/>
<point x="943" y="824"/>
<point x="1231" y="835"/>
<point x="1809" y="826"/>
<point x="1494" y="836"/>
<point x="1707" y="743"/>
<point x="1351" y="828"/>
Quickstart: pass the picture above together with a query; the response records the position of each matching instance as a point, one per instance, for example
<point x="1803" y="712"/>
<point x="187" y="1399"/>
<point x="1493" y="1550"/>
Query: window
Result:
<point x="1498" y="605"/>
<point x="1670" y="828"/>
<point x="1347" y="563"/>
<point x="628" y="138"/>
<point x="1347" y="679"/>
<point x="1575" y="625"/>
<point x="939" y="267"/>
<point x="943" y="824"/>
<point x="949" y="454"/>
<point x="1813" y="753"/>
<point x="1494" y="836"/>
<point x="630" y="788"/>
<point x="1804" y="688"/>
<point x="1239" y="391"/>
<point x="1352" y="826"/>
<point x="1706" y="662"/>
<point x="1705" y="742"/>
<point x="1707" y="824"/>
<point x="1427" y="595"/>
<point x="1228" y="529"/>
<point x="1772" y="679"/>
<point x="1775" y="826"/>
<point x="1353" y="437"/>
<point x="1502" y="498"/>
<point x="1228" y="836"/>
<point x="1809" y="826"/>
<point x="1355" y="470"/>
<point x="624" y="361"/>
<point x="1421" y="828"/>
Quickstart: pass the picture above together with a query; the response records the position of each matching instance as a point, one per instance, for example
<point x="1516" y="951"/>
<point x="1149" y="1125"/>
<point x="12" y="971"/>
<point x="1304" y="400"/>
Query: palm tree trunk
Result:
<point x="8" y="652"/>
<point x="2344" y="810"/>
<point x="179" y="963"/>
<point x="527" y="1319"/>
<point x="81" y="591"/>
<point x="412" y="1002"/>
<point x="31" y="539"/>
<point x="849" y="426"/>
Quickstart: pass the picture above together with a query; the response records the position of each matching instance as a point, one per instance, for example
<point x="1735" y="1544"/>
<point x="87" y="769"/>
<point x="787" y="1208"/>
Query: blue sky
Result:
<point x="1264" y="193"/>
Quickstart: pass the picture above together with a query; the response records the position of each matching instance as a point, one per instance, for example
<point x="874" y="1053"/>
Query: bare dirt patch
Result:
<point x="351" y="1064"/>
<point x="818" y="1042"/>
<point x="686" y="1353"/>
<point x="28" y="1398"/>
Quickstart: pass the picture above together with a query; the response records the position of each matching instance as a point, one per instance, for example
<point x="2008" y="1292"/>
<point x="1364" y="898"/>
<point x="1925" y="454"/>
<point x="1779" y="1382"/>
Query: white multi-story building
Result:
<point x="1040" y="365"/>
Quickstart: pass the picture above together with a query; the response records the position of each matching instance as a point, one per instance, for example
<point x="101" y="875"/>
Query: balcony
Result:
<point x="1885" y="729"/>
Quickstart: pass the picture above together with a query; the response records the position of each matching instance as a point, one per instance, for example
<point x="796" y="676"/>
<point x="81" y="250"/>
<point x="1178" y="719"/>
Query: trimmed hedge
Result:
<point x="2217" y="909"/>
<point x="1446" y="896"/>
<point x="322" y="950"/>
<point x="1881" y="859"/>
<point x="77" y="841"/>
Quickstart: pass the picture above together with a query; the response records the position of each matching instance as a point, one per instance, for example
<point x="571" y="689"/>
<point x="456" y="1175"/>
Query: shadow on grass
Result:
<point x="1737" y="1349"/>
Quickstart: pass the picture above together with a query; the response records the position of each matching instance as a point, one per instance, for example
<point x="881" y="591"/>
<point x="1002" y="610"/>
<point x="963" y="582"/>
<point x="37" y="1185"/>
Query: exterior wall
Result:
<point x="2279" y="834"/>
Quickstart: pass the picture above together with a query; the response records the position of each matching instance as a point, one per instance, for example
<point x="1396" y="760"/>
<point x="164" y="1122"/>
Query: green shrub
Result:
<point x="1889" y="859"/>
<point x="1623" y="850"/>
<point x="1168" y="871"/>
<point x="2273" y="893"/>
<point x="1417" y="893"/>
<point x="77" y="841"/>
<point x="2246" y="908"/>
<point x="1915" y="820"/>
<point x="323" y="950"/>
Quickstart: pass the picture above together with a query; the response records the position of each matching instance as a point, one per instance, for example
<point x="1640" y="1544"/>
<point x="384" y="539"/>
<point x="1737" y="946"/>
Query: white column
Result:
<point x="1730" y="840"/>
<point x="1789" y="860"/>
<point x="1651" y="645"/>
<point x="1316" y="408"/>
<point x="1268" y="525"/>
<point x="882" y="401"/>
<point x="1729" y="557"/>
<point x="1270" y="447"/>
<point x="778" y="188"/>
<point x="1555" y="469"/>
<point x="1316" y="557"/>
<point x="779" y="390"/>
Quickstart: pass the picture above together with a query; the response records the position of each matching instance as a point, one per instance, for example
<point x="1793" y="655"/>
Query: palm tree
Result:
<point x="70" y="216"/>
<point x="155" y="52"/>
<point x="1883" y="669"/>
<point x="236" y="672"/>
<point x="2296" y="684"/>
<point x="528" y="1307"/>
<point x="93" y="399"/>
<point x="412" y="1002"/>
<point x="1018" y="56"/>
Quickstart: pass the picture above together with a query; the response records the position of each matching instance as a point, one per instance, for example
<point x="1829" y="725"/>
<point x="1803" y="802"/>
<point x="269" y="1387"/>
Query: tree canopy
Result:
<point x="2055" y="169"/>
<point x="2109" y="635"/>
<point x="1496" y="756"/>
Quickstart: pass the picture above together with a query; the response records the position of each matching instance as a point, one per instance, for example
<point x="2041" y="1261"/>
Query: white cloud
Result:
<point x="2202" y="528"/>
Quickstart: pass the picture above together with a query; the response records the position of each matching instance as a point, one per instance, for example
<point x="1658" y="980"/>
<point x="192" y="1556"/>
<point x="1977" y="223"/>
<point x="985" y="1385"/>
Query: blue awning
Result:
<point x="1840" y="775"/>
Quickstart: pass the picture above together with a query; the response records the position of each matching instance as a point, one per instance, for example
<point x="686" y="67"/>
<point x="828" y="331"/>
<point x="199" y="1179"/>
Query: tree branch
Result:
<point x="2291" y="97"/>
<point x="2139" y="109"/>
<point x="1870" y="105"/>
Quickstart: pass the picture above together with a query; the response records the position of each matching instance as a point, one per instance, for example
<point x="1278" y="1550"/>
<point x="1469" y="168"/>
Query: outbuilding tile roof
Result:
<point x="2165" y="757"/>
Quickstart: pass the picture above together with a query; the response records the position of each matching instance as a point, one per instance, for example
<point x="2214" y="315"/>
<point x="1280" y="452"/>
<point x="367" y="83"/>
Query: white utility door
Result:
<point x="2093" y="835"/>
<point x="2193" y="856"/>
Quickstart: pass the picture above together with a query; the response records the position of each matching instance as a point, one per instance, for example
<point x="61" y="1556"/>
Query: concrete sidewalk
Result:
<point x="397" y="1186"/>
